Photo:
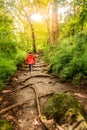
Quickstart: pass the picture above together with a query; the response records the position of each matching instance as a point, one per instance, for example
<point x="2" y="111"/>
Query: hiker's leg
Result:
<point x="30" y="67"/>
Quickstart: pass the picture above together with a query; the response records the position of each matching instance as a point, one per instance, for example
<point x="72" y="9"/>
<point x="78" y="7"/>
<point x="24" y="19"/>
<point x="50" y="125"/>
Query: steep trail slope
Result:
<point x="25" y="117"/>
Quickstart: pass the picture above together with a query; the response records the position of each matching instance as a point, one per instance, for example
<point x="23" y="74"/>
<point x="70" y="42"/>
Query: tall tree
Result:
<point x="31" y="26"/>
<point x="54" y="21"/>
<point x="22" y="10"/>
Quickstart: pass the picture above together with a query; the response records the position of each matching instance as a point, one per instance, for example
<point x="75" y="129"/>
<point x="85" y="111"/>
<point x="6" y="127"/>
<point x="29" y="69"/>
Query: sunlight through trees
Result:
<point x="31" y="25"/>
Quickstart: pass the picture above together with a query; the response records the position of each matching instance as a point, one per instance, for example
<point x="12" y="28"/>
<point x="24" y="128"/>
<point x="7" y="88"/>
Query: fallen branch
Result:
<point x="13" y="106"/>
<point x="20" y="104"/>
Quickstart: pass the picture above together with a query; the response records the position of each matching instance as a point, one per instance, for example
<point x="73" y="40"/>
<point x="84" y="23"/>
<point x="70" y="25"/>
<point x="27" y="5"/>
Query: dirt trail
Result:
<point x="26" y="116"/>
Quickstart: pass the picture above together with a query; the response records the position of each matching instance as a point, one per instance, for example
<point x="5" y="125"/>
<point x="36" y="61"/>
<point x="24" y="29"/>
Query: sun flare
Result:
<point x="36" y="17"/>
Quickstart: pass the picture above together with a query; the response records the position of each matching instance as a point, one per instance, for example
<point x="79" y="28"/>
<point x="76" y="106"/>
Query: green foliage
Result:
<point x="40" y="35"/>
<point x="7" y="68"/>
<point x="10" y="54"/>
<point x="20" y="57"/>
<point x="5" y="125"/>
<point x="61" y="106"/>
<point x="1" y="84"/>
<point x="8" y="65"/>
<point x="8" y="47"/>
<point x="69" y="59"/>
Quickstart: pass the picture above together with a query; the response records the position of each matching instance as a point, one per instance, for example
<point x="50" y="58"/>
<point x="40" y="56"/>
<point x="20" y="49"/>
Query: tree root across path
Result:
<point x="38" y="109"/>
<point x="13" y="106"/>
<point x="40" y="118"/>
<point x="22" y="103"/>
<point x="47" y="127"/>
<point x="38" y="75"/>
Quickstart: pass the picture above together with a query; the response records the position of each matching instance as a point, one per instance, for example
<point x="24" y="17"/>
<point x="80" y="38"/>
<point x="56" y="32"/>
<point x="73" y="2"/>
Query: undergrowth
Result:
<point x="8" y="65"/>
<point x="68" y="59"/>
<point x="63" y="106"/>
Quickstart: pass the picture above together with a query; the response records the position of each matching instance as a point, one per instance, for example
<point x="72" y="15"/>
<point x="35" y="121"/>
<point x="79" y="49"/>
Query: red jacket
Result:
<point x="30" y="59"/>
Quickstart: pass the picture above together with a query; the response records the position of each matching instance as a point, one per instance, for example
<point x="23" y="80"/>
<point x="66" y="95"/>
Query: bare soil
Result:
<point x="20" y="89"/>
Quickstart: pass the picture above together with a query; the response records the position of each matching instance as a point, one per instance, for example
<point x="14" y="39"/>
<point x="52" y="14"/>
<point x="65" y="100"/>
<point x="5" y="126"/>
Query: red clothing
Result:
<point x="30" y="59"/>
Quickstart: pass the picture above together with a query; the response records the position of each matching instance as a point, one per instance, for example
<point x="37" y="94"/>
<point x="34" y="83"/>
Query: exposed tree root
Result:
<point x="20" y="104"/>
<point x="55" y="82"/>
<point x="28" y="85"/>
<point x="38" y="109"/>
<point x="44" y="69"/>
<point x="36" y="69"/>
<point x="48" y="94"/>
<point x="42" y="96"/>
<point x="43" y="65"/>
<point x="13" y="106"/>
<point x="38" y="75"/>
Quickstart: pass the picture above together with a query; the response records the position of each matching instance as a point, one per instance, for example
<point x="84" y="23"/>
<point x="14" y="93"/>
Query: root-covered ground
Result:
<point x="22" y="101"/>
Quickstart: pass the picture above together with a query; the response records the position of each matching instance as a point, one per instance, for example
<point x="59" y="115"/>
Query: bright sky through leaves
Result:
<point x="31" y="1"/>
<point x="62" y="11"/>
<point x="36" y="17"/>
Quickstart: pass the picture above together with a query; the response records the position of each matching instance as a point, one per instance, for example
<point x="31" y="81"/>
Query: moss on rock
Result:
<point x="5" y="125"/>
<point x="64" y="108"/>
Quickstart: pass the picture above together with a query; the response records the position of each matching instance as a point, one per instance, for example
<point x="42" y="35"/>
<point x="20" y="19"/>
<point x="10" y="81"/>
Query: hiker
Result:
<point x="30" y="59"/>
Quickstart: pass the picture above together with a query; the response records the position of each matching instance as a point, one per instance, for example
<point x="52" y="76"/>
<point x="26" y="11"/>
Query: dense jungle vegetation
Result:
<point x="56" y="27"/>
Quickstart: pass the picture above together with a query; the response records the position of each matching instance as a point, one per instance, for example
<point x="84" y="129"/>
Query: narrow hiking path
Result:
<point x="22" y="90"/>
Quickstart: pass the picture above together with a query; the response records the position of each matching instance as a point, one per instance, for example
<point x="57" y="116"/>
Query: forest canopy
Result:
<point x="56" y="27"/>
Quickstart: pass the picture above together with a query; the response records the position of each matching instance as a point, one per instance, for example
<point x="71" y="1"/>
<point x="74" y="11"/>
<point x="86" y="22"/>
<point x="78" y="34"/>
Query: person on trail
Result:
<point x="30" y="59"/>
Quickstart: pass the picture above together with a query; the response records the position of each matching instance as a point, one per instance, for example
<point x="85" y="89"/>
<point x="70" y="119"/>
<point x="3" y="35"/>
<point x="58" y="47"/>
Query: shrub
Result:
<point x="20" y="57"/>
<point x="68" y="60"/>
<point x="8" y="65"/>
<point x="61" y="106"/>
<point x="7" y="68"/>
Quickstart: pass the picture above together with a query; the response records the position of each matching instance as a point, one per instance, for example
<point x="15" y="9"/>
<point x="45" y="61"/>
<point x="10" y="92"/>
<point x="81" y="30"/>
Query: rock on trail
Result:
<point x="25" y="117"/>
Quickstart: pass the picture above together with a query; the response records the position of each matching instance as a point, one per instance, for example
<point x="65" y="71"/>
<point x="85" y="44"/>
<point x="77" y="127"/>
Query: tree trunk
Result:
<point x="32" y="29"/>
<point x="48" y="27"/>
<point x="54" y="21"/>
<point x="74" y="11"/>
<point x="49" y="37"/>
<point x="33" y="36"/>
